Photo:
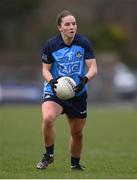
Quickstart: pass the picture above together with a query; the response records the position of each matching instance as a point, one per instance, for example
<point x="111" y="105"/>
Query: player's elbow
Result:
<point x="43" y="74"/>
<point x="95" y="70"/>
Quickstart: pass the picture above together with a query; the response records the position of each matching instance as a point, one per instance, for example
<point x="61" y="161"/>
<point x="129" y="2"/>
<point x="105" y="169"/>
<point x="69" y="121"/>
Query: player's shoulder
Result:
<point x="52" y="41"/>
<point x="83" y="40"/>
<point x="52" y="44"/>
<point x="82" y="37"/>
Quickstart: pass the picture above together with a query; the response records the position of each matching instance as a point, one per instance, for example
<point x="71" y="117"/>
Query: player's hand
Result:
<point x="53" y="83"/>
<point x="80" y="86"/>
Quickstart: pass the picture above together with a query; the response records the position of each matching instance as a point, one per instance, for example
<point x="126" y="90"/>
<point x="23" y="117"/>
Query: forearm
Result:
<point x="91" y="72"/>
<point x="47" y="75"/>
<point x="92" y="69"/>
<point x="46" y="72"/>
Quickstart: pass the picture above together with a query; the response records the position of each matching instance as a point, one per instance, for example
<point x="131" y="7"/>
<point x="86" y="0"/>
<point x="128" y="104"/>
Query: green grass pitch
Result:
<point x="110" y="144"/>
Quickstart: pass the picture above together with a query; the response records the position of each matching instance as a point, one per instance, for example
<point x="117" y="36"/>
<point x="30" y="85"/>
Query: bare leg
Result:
<point x="50" y="111"/>
<point x="76" y="141"/>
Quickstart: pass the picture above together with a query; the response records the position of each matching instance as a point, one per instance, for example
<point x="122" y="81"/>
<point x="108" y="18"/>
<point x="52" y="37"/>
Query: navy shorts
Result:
<point x="73" y="108"/>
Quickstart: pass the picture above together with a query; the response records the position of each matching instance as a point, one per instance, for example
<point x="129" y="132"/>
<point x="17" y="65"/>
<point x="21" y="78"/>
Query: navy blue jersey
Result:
<point x="67" y="60"/>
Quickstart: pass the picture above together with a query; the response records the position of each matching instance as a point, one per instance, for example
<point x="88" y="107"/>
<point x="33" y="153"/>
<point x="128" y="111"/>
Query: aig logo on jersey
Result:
<point x="78" y="55"/>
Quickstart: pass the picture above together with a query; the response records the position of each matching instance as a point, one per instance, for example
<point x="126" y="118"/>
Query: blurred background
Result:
<point x="111" y="26"/>
<point x="110" y="149"/>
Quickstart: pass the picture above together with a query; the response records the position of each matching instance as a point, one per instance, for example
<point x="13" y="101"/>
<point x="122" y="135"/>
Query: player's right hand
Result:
<point x="53" y="83"/>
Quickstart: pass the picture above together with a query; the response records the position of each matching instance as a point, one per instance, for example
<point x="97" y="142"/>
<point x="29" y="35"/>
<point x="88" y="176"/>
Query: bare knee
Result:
<point x="50" y="111"/>
<point x="78" y="135"/>
<point x="48" y="120"/>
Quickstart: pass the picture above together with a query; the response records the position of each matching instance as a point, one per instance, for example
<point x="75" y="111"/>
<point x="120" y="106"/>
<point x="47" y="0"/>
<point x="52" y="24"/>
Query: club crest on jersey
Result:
<point x="78" y="55"/>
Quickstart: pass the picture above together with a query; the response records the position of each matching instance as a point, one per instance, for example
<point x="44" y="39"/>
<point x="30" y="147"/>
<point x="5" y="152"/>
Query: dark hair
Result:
<point x="63" y="14"/>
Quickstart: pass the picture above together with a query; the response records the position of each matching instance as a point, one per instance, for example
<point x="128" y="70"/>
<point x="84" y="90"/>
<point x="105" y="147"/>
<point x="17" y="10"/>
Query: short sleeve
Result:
<point x="46" y="54"/>
<point x="89" y="53"/>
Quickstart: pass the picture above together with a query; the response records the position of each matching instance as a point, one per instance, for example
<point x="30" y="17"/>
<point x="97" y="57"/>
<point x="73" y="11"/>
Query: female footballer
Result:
<point x="66" y="54"/>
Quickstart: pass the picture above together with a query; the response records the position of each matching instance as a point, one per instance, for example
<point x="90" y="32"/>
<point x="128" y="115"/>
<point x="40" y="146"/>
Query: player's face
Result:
<point x="68" y="26"/>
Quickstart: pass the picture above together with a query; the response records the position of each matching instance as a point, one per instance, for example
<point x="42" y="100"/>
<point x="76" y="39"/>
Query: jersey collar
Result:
<point x="61" y="42"/>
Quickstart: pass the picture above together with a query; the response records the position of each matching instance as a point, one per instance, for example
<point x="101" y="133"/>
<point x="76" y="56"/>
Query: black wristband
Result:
<point x="51" y="81"/>
<point x="85" y="79"/>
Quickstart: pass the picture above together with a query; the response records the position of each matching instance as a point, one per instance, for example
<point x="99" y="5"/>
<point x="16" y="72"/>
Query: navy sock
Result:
<point x="50" y="149"/>
<point x="75" y="161"/>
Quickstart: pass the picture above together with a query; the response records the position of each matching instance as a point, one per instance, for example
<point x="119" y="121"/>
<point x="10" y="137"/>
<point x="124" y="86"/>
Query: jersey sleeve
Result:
<point x="46" y="54"/>
<point x="89" y="53"/>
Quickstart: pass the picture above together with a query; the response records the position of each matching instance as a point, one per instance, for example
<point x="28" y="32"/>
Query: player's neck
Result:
<point x="67" y="40"/>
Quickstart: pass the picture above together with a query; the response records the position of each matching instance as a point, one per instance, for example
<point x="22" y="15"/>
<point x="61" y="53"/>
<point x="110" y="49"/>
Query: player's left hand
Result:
<point x="80" y="86"/>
